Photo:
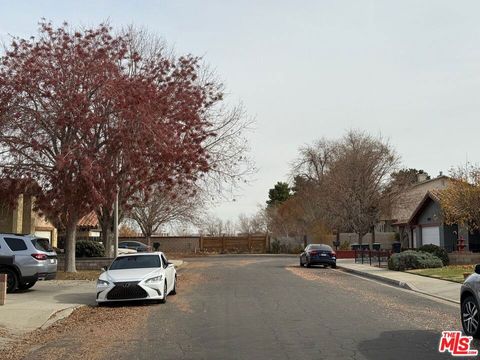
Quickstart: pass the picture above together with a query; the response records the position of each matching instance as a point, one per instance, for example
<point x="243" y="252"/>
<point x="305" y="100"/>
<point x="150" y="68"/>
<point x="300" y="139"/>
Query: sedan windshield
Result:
<point x="320" y="247"/>
<point x="135" y="262"/>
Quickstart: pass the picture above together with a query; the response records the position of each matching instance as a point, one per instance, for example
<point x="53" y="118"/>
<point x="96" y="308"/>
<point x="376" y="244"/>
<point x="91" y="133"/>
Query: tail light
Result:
<point x="312" y="252"/>
<point x="333" y="253"/>
<point x="39" y="256"/>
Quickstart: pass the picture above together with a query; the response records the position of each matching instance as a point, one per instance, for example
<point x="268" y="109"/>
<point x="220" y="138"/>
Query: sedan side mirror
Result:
<point x="477" y="269"/>
<point x="105" y="268"/>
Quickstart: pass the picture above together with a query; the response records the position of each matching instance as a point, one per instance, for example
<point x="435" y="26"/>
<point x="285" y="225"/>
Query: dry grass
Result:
<point x="451" y="272"/>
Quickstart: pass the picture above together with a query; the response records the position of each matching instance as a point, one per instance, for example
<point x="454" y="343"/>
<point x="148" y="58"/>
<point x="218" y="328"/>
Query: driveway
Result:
<point x="46" y="301"/>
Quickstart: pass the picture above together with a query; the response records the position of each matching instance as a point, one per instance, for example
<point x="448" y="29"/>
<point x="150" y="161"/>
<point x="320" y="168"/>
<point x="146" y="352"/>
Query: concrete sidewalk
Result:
<point x="442" y="289"/>
<point x="42" y="305"/>
<point x="46" y="303"/>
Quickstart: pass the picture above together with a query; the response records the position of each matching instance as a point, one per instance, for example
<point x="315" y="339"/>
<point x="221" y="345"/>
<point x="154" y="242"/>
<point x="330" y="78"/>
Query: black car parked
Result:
<point x="318" y="254"/>
<point x="134" y="245"/>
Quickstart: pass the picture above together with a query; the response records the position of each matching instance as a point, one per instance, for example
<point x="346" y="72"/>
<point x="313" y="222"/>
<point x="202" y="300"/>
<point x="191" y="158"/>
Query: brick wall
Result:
<point x="85" y="263"/>
<point x="170" y="243"/>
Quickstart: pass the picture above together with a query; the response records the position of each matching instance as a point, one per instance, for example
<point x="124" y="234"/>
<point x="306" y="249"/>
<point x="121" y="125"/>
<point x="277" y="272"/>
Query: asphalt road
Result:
<point x="270" y="308"/>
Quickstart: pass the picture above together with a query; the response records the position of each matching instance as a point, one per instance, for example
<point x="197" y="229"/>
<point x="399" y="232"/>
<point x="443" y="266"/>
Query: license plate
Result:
<point x="323" y="254"/>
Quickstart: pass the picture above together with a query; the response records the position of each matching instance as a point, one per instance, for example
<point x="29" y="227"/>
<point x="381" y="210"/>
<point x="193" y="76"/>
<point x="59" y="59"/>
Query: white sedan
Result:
<point x="142" y="276"/>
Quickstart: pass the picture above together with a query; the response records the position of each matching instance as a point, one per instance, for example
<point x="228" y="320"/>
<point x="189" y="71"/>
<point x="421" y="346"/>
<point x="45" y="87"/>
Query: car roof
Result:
<point x="142" y="254"/>
<point x="30" y="236"/>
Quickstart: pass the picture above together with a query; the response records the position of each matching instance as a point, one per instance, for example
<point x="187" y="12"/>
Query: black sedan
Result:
<point x="318" y="254"/>
<point x="135" y="245"/>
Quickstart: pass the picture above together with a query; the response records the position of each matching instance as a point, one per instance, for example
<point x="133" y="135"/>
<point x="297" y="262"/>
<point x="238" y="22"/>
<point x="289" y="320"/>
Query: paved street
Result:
<point x="269" y="308"/>
<point x="260" y="308"/>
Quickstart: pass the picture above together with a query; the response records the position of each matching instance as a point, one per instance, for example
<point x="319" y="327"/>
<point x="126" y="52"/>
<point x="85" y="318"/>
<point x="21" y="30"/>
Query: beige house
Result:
<point x="22" y="219"/>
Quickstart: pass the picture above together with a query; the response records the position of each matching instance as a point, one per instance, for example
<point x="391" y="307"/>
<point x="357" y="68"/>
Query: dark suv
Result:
<point x="26" y="259"/>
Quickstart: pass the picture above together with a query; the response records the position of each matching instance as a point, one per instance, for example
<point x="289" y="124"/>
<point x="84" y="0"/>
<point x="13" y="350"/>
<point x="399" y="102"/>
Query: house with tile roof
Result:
<point x="22" y="218"/>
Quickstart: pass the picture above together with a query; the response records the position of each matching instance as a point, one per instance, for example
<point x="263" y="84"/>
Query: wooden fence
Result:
<point x="235" y="244"/>
<point x="219" y="244"/>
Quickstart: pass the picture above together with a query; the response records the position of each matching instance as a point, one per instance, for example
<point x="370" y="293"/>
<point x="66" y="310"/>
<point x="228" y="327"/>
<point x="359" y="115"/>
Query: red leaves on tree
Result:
<point x="80" y="116"/>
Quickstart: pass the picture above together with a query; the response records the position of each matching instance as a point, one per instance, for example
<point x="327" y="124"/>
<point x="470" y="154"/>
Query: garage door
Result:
<point x="44" y="235"/>
<point x="431" y="235"/>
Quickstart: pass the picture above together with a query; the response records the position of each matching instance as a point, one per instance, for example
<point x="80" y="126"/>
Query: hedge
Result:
<point x="89" y="248"/>
<point x="413" y="260"/>
<point x="437" y="251"/>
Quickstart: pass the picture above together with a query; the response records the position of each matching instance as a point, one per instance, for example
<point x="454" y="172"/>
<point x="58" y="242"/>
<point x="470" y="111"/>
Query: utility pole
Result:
<point x="115" y="225"/>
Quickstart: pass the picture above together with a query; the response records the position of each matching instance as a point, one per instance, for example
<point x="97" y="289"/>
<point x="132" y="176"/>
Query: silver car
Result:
<point x="469" y="300"/>
<point x="26" y="259"/>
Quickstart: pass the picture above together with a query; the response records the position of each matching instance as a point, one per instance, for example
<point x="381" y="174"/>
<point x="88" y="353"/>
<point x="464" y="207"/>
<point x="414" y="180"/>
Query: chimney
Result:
<point x="440" y="174"/>
<point x="421" y="177"/>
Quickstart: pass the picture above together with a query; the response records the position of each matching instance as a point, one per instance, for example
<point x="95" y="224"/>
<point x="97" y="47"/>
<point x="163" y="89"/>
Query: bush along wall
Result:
<point x="437" y="251"/>
<point x="413" y="260"/>
<point x="89" y="248"/>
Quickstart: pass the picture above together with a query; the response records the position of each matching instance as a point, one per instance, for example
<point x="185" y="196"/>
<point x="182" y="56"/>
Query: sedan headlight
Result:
<point x="102" y="283"/>
<point x="155" y="279"/>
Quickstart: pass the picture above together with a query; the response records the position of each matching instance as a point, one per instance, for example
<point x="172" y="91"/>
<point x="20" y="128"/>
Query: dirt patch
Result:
<point x="89" y="333"/>
<point x="79" y="275"/>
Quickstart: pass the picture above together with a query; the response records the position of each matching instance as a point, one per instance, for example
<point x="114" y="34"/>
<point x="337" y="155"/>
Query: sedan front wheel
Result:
<point x="470" y="317"/>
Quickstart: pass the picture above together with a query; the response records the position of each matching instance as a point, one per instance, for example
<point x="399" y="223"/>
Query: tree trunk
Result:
<point x="107" y="237"/>
<point x="149" y="240"/>
<point x="360" y="238"/>
<point x="70" y="246"/>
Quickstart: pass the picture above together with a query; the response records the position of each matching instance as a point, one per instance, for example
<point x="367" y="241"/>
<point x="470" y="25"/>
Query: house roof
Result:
<point x="432" y="195"/>
<point x="89" y="221"/>
<point x="406" y="204"/>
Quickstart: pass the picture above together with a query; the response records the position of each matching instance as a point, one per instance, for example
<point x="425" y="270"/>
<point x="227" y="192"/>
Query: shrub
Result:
<point x="437" y="251"/>
<point x="413" y="260"/>
<point x="275" y="246"/>
<point x="89" y="248"/>
<point x="156" y="246"/>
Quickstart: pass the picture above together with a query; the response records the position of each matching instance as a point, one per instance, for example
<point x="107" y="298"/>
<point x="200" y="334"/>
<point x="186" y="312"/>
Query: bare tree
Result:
<point x="165" y="206"/>
<point x="214" y="226"/>
<point x="254" y="224"/>
<point x="357" y="180"/>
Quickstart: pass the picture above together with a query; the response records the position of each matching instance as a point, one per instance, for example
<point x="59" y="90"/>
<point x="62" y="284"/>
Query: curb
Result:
<point x="378" y="278"/>
<point x="59" y="315"/>
<point x="393" y="282"/>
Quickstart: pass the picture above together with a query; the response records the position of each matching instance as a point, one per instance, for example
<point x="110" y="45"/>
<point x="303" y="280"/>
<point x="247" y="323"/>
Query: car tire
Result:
<point x="308" y="264"/>
<point x="334" y="266"/>
<point x="470" y="315"/>
<point x="174" y="290"/>
<point x="26" y="286"/>
<point x="164" y="300"/>
<point x="12" y="279"/>
<point x="301" y="262"/>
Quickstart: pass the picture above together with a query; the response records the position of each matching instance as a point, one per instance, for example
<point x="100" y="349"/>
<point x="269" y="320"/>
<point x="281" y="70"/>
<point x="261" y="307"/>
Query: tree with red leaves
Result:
<point x="79" y="119"/>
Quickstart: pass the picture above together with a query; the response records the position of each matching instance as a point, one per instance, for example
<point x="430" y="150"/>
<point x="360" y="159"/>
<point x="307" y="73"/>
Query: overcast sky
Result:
<point x="408" y="70"/>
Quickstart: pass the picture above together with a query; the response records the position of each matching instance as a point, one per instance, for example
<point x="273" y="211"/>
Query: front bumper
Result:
<point x="134" y="291"/>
